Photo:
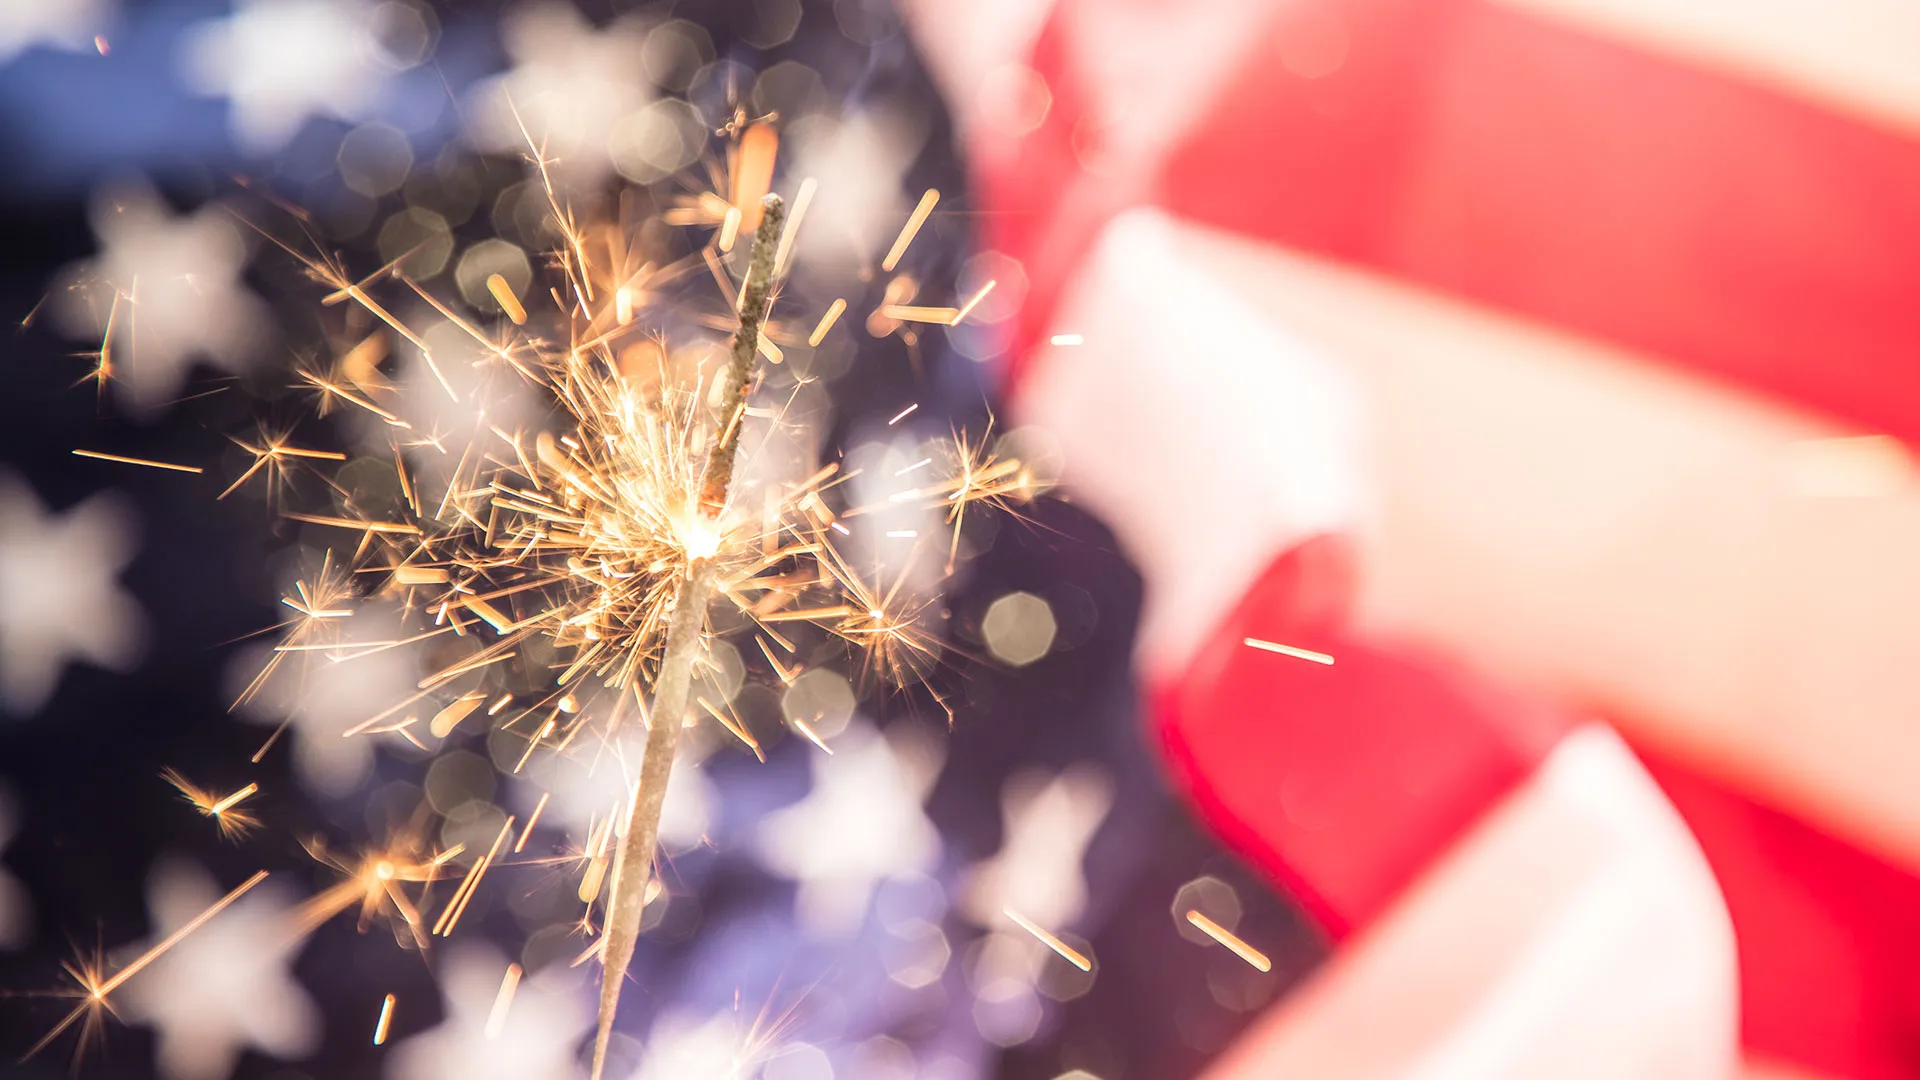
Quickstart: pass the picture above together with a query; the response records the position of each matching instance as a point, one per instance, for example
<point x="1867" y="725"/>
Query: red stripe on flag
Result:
<point x="1342" y="782"/>
<point x="1345" y="783"/>
<point x="1483" y="152"/>
<point x="1505" y="159"/>
<point x="1827" y="934"/>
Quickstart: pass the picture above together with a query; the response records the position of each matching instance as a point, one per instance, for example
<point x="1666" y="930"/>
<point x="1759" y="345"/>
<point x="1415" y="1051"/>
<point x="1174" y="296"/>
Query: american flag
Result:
<point x="1550" y="366"/>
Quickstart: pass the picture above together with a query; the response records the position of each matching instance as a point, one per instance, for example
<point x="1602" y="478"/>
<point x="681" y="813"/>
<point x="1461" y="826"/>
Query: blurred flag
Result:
<point x="1535" y="361"/>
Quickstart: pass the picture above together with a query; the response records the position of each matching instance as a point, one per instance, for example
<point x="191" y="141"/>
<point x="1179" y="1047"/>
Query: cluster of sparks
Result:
<point x="574" y="539"/>
<point x="578" y="533"/>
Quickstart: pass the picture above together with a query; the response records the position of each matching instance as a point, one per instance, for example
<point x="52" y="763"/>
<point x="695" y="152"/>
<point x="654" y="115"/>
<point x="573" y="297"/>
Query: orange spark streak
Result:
<point x="138" y="461"/>
<point x="96" y="991"/>
<point x="732" y="726"/>
<point x="910" y="229"/>
<point x="470" y="884"/>
<point x="753" y="175"/>
<point x="914" y="313"/>
<point x="966" y="309"/>
<point x="1226" y="937"/>
<point x="386" y="1018"/>
<point x="396" y="527"/>
<point x="532" y="819"/>
<point x="832" y="316"/>
<point x="227" y="803"/>
<point x="509" y="303"/>
<point x="812" y="736"/>
<point x="1288" y="650"/>
<point x="497" y="1019"/>
<point x="488" y="612"/>
<point x="801" y="200"/>
<point x="805" y="614"/>
<point x="449" y="718"/>
<point x="1067" y="952"/>
<point x="176" y="937"/>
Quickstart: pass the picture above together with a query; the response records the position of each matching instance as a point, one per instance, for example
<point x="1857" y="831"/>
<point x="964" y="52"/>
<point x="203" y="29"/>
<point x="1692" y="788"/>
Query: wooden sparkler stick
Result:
<point x="673" y="686"/>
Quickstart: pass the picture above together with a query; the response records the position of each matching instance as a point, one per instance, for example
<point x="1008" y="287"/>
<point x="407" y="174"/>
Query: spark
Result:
<point x="903" y="414"/>
<point x="449" y="718"/>
<point x="232" y="821"/>
<point x="827" y="320"/>
<point x="457" y="906"/>
<point x="966" y="309"/>
<point x="801" y="200"/>
<point x="526" y="831"/>
<point x="753" y="174"/>
<point x="94" y="989"/>
<point x="399" y="527"/>
<point x="376" y="881"/>
<point x="1067" y="339"/>
<point x="386" y="1018"/>
<point x="1226" y="937"/>
<point x="138" y="461"/>
<point x="272" y="454"/>
<point x="509" y="303"/>
<point x="175" y="938"/>
<point x="945" y="316"/>
<point x="1288" y="650"/>
<point x="812" y="736"/>
<point x="1067" y="952"/>
<point x="910" y="230"/>
<point x="497" y="1019"/>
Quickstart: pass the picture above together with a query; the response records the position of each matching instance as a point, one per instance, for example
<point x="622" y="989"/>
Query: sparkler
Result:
<point x="674" y="683"/>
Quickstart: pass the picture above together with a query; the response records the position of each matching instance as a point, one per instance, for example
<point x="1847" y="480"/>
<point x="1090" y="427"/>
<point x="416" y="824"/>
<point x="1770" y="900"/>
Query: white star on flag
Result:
<point x="1038" y="871"/>
<point x="1037" y="874"/>
<point x="571" y="86"/>
<point x="586" y="788"/>
<point x="682" y="1046"/>
<point x="861" y="824"/>
<point x="226" y="986"/>
<point x="59" y="600"/>
<point x="497" y="1027"/>
<point x="68" y="24"/>
<point x="164" y="290"/>
<point x="860" y="163"/>
<point x="324" y="694"/>
<point x="281" y="62"/>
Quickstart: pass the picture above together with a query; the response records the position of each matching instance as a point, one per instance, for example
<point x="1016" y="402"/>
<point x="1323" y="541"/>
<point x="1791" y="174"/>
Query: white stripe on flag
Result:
<point x="1586" y="521"/>
<point x="1857" y="56"/>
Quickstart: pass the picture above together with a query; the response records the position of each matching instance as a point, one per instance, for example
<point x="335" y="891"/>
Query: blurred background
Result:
<point x="138" y="134"/>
